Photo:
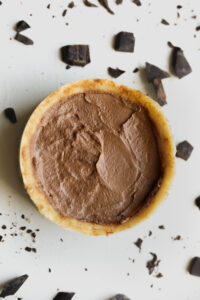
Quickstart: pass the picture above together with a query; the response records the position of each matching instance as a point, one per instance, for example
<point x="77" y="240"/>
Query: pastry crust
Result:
<point x="165" y="144"/>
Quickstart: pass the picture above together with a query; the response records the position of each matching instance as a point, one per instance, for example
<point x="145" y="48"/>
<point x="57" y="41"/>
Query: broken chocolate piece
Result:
<point x="23" y="39"/>
<point x="12" y="286"/>
<point x="179" y="62"/>
<point x="21" y="26"/>
<point x="104" y="3"/>
<point x="164" y="22"/>
<point x="137" y="2"/>
<point x="64" y="296"/>
<point x="153" y="72"/>
<point x="138" y="243"/>
<point x="176" y="238"/>
<point x="115" y="72"/>
<point x="71" y="4"/>
<point x="10" y="115"/>
<point x="197" y="28"/>
<point x="118" y="2"/>
<point x="89" y="4"/>
<point x="179" y="6"/>
<point x="64" y="12"/>
<point x="184" y="150"/>
<point x="119" y="297"/>
<point x="153" y="263"/>
<point x="159" y="91"/>
<point x="124" y="41"/>
<point x="159" y="275"/>
<point x="194" y="268"/>
<point x="162" y="227"/>
<point x="197" y="202"/>
<point x="76" y="55"/>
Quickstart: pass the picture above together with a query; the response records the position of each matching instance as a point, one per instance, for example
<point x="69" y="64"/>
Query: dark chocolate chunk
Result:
<point x="153" y="263"/>
<point x="194" y="268"/>
<point x="159" y="275"/>
<point x="153" y="72"/>
<point x="119" y="297"/>
<point x="28" y="249"/>
<point x="68" y="67"/>
<point x="179" y="6"/>
<point x="197" y="202"/>
<point x="138" y="243"/>
<point x="12" y="286"/>
<point x="159" y="91"/>
<point x="164" y="22"/>
<point x="184" y="150"/>
<point x="64" y="296"/>
<point x="64" y="12"/>
<point x="104" y="3"/>
<point x="89" y="4"/>
<point x="176" y="238"/>
<point x="0" y="2"/>
<point x="179" y="62"/>
<point x="48" y="6"/>
<point x="76" y="55"/>
<point x="71" y="4"/>
<point x="3" y="227"/>
<point x="1" y="238"/>
<point x="23" y="39"/>
<point x="118" y="2"/>
<point x="162" y="227"/>
<point x="49" y="270"/>
<point x="21" y="26"/>
<point x="137" y="2"/>
<point x="135" y="70"/>
<point x="22" y="228"/>
<point x="10" y="114"/>
<point x="197" y="28"/>
<point x="124" y="41"/>
<point x="115" y="72"/>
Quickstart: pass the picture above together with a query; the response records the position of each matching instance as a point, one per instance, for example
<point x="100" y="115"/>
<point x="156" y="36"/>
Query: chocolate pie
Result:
<point x="97" y="157"/>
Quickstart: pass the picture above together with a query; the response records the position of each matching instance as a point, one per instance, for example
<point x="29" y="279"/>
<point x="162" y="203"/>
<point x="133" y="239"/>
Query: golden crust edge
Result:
<point x="166" y="148"/>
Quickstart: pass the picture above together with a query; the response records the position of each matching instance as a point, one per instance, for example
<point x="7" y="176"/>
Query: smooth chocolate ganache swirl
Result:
<point x="95" y="157"/>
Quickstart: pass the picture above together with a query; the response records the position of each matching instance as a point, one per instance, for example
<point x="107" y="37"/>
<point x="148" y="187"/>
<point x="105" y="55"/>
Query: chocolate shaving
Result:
<point x="194" y="268"/>
<point x="71" y="4"/>
<point x="119" y="297"/>
<point x="23" y="39"/>
<point x="180" y="64"/>
<point x="64" y="12"/>
<point x="12" y="286"/>
<point x="89" y="4"/>
<point x="197" y="202"/>
<point x="10" y="115"/>
<point x="137" y="2"/>
<point x="159" y="91"/>
<point x="184" y="150"/>
<point x="153" y="263"/>
<point x="153" y="72"/>
<point x="138" y="243"/>
<point x="118" y="2"/>
<point x="164" y="22"/>
<point x="104" y="3"/>
<point x="115" y="73"/>
<point x="124" y="41"/>
<point x="76" y="55"/>
<point x="21" y="26"/>
<point x="64" y="296"/>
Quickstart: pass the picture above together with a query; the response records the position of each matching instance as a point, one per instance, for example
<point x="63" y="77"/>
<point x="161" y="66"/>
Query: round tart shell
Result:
<point x="164" y="140"/>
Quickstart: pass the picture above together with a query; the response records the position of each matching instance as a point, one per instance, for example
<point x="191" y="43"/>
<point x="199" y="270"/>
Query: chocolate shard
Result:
<point x="104" y="3"/>
<point x="153" y="263"/>
<point x="119" y="297"/>
<point x="64" y="296"/>
<point x="137" y="2"/>
<point x="184" y="150"/>
<point x="76" y="55"/>
<point x="115" y="72"/>
<point x="138" y="243"/>
<point x="119" y="2"/>
<point x="64" y="12"/>
<point x="124" y="41"/>
<point x="194" y="268"/>
<point x="164" y="22"/>
<point x="12" y="286"/>
<point x="180" y="64"/>
<point x="153" y="72"/>
<point x="23" y="39"/>
<point x="197" y="202"/>
<point x="10" y="115"/>
<point x="159" y="91"/>
<point x="21" y="26"/>
<point x="89" y="4"/>
<point x="71" y="4"/>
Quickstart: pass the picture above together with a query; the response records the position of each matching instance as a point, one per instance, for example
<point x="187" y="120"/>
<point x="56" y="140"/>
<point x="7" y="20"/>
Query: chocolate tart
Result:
<point x="97" y="157"/>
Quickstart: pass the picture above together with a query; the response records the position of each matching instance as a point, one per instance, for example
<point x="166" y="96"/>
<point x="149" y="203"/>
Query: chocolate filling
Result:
<point x="95" y="157"/>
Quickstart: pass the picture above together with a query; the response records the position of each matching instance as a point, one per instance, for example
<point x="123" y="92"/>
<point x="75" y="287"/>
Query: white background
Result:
<point x="27" y="75"/>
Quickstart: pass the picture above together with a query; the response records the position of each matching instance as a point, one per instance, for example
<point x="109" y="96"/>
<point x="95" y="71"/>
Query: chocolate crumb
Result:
<point x="104" y="3"/>
<point x="64" y="296"/>
<point x="68" y="67"/>
<point x="119" y="297"/>
<point x="197" y="28"/>
<point x="22" y="228"/>
<point x="21" y="26"/>
<point x="28" y="249"/>
<point x="86" y="269"/>
<point x="3" y="227"/>
<point x="28" y="230"/>
<point x="48" y="6"/>
<point x="71" y="4"/>
<point x="23" y="216"/>
<point x="180" y="64"/>
<point x="197" y="202"/>
<point x="1" y="237"/>
<point x="115" y="73"/>
<point x="49" y="270"/>
<point x="159" y="91"/>
<point x="61" y="240"/>
<point x="178" y="15"/>
<point x="162" y="227"/>
<point x="135" y="70"/>
<point x="179" y="6"/>
<point x="0" y="2"/>
<point x="12" y="286"/>
<point x="150" y="232"/>
<point x="177" y="238"/>
<point x="184" y="150"/>
<point x="64" y="12"/>
<point x="164" y="22"/>
<point x="10" y="115"/>
<point x="124" y="41"/>
<point x="119" y="2"/>
<point x="193" y="17"/>
<point x="159" y="275"/>
<point x="137" y="2"/>
<point x="34" y="250"/>
<point x="33" y="234"/>
<point x="23" y="39"/>
<point x="194" y="268"/>
<point x="151" y="286"/>
<point x="138" y="243"/>
<point x="153" y="72"/>
<point x="76" y="55"/>
<point x="37" y="230"/>
<point x="153" y="263"/>
<point x="89" y="4"/>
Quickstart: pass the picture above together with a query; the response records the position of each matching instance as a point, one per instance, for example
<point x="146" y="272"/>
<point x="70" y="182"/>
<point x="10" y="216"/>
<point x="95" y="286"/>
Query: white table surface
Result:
<point x="28" y="74"/>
